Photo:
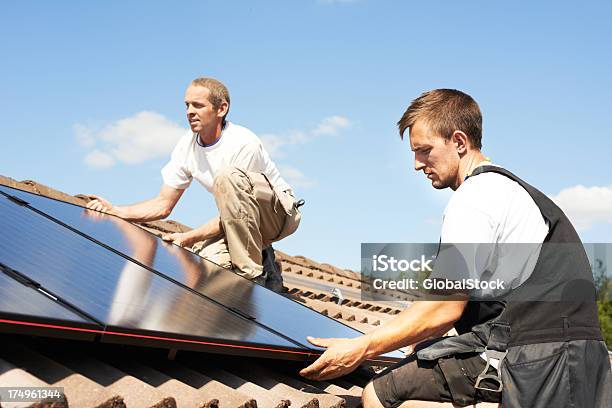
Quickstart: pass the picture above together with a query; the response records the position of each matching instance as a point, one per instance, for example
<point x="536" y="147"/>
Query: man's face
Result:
<point x="201" y="114"/>
<point x="436" y="156"/>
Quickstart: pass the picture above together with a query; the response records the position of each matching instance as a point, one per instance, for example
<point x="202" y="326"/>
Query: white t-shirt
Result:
<point x="490" y="208"/>
<point x="496" y="228"/>
<point x="237" y="147"/>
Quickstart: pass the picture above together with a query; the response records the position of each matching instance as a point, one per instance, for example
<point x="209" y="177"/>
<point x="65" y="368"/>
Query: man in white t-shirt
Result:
<point x="256" y="206"/>
<point x="445" y="129"/>
<point x="446" y="161"/>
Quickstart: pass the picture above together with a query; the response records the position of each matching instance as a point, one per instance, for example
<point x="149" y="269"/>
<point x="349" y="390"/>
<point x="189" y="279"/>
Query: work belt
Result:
<point x="492" y="338"/>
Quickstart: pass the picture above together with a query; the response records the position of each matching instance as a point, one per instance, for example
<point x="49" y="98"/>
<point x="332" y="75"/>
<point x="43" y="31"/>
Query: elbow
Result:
<point x="456" y="311"/>
<point x="164" y="208"/>
<point x="165" y="212"/>
<point x="454" y="318"/>
<point x="450" y="312"/>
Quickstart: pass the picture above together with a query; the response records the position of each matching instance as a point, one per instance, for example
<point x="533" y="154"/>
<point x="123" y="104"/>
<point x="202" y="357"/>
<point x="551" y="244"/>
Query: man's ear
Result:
<point x="461" y="141"/>
<point x="222" y="111"/>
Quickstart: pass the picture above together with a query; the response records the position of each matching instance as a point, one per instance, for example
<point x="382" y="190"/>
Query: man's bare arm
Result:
<point x="186" y="239"/>
<point x="419" y="322"/>
<point x="150" y="210"/>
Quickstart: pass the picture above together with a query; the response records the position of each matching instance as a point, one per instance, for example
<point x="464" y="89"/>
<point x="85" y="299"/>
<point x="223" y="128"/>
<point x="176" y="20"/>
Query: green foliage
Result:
<point x="605" y="320"/>
<point x="603" y="285"/>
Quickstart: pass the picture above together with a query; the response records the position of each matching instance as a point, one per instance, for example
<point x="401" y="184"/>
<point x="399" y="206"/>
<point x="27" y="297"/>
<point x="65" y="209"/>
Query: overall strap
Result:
<point x="550" y="211"/>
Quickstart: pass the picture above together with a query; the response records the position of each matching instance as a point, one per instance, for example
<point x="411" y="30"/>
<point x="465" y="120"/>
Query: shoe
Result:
<point x="272" y="271"/>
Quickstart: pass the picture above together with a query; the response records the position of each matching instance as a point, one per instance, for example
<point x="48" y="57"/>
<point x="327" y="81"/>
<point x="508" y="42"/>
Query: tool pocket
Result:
<point x="460" y="382"/>
<point x="290" y="225"/>
<point x="536" y="376"/>
<point x="286" y="201"/>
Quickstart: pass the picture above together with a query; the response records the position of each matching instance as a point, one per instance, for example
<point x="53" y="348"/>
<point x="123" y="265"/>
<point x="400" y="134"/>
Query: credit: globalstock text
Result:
<point x="438" y="284"/>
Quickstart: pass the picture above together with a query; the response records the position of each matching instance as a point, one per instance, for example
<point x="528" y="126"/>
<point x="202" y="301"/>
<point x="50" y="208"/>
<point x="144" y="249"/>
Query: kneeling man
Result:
<point x="256" y="206"/>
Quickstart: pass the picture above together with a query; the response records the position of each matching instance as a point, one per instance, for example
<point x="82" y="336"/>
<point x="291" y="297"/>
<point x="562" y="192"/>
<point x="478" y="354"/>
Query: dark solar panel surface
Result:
<point x="112" y="289"/>
<point x="17" y="299"/>
<point x="266" y="307"/>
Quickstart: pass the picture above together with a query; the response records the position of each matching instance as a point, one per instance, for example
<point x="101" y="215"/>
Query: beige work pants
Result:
<point x="252" y="217"/>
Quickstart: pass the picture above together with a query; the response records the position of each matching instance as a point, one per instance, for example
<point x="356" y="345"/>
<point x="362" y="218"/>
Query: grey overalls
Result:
<point x="550" y="351"/>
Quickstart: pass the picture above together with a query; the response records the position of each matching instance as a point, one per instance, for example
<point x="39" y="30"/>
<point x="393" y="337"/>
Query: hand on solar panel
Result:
<point x="340" y="358"/>
<point x="100" y="204"/>
<point x="180" y="238"/>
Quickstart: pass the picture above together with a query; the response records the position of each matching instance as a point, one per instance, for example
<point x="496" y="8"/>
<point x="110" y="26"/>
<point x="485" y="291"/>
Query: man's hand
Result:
<point x="341" y="357"/>
<point x="100" y="204"/>
<point x="180" y="238"/>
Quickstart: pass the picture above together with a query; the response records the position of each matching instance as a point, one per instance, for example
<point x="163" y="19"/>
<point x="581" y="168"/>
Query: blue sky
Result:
<point x="91" y="101"/>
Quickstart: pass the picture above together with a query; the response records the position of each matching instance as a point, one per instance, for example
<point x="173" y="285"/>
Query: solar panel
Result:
<point x="128" y="300"/>
<point x="279" y="314"/>
<point x="26" y="309"/>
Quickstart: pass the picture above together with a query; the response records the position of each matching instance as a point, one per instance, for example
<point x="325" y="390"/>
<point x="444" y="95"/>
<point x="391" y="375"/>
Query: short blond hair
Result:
<point x="218" y="91"/>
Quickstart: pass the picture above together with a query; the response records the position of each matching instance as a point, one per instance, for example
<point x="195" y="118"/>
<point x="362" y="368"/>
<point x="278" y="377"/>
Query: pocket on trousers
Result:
<point x="286" y="201"/>
<point x="537" y="381"/>
<point x="459" y="382"/>
<point x="290" y="226"/>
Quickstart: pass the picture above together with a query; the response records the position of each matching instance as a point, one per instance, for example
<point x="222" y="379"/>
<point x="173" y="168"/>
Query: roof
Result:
<point x="104" y="375"/>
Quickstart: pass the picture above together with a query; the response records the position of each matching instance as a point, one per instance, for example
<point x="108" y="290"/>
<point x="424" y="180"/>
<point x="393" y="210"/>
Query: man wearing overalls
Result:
<point x="256" y="205"/>
<point x="538" y="346"/>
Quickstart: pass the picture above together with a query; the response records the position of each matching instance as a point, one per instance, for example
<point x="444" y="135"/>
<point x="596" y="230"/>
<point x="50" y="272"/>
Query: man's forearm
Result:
<point x="209" y="230"/>
<point x="149" y="210"/>
<point x="419" y="322"/>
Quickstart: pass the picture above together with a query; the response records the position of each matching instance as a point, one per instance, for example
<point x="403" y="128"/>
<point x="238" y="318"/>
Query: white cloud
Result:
<point x="297" y="136"/>
<point x="276" y="145"/>
<point x="84" y="135"/>
<point x="586" y="206"/>
<point x="295" y="177"/>
<point x="99" y="159"/>
<point x="273" y="144"/>
<point x="330" y="126"/>
<point x="133" y="140"/>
